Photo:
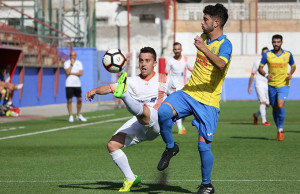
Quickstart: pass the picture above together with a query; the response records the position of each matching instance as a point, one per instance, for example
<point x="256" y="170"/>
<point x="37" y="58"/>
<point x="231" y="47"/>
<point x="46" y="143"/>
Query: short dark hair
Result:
<point x="149" y="50"/>
<point x="176" y="43"/>
<point x="218" y="11"/>
<point x="265" y="48"/>
<point x="277" y="36"/>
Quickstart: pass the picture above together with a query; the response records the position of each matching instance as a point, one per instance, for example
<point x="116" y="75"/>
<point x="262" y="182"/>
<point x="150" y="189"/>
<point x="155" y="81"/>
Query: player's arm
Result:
<point x="250" y="83"/>
<point x="68" y="70"/>
<point x="263" y="62"/>
<point x="293" y="69"/>
<point x="215" y="60"/>
<point x="101" y="90"/>
<point x="80" y="73"/>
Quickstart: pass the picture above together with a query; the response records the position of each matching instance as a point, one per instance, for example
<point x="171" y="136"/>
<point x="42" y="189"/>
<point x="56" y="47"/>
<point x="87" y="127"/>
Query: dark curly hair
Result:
<point x="217" y="11"/>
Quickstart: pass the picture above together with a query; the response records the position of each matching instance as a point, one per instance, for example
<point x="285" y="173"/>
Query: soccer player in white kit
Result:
<point x="142" y="95"/>
<point x="261" y="87"/>
<point x="176" y="68"/>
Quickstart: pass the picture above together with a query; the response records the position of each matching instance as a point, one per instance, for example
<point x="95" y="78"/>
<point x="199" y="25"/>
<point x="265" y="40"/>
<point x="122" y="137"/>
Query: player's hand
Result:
<point x="249" y="90"/>
<point x="289" y="76"/>
<point x="270" y="76"/>
<point x="90" y="95"/>
<point x="199" y="43"/>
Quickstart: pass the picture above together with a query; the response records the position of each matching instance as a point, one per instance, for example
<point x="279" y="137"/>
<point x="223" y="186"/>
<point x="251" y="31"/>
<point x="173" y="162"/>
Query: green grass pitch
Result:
<point x="56" y="156"/>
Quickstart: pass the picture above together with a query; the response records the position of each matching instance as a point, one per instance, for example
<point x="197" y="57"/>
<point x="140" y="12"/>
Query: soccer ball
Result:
<point x="114" y="60"/>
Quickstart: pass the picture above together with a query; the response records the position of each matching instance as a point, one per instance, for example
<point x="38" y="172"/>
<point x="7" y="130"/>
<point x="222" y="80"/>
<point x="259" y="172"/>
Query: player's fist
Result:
<point x="90" y="95"/>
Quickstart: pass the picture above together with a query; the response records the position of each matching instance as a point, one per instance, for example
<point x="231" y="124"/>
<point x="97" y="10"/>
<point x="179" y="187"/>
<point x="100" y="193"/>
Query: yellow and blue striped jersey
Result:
<point x="205" y="84"/>
<point x="278" y="67"/>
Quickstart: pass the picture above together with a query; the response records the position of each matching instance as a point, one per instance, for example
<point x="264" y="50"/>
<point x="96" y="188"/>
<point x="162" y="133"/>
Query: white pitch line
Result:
<point x="63" y="128"/>
<point x="12" y="128"/>
<point x="94" y="117"/>
<point x="58" y="181"/>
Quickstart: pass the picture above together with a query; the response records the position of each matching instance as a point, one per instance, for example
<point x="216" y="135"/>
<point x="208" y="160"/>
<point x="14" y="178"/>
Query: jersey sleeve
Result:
<point x="168" y="65"/>
<point x="291" y="61"/>
<point x="225" y="50"/>
<point x="263" y="59"/>
<point x="66" y="64"/>
<point x="255" y="67"/>
<point x="80" y="65"/>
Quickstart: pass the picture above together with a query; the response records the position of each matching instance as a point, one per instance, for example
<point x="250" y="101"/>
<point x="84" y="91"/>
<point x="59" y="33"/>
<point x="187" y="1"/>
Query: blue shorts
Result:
<point x="278" y="93"/>
<point x="205" y="117"/>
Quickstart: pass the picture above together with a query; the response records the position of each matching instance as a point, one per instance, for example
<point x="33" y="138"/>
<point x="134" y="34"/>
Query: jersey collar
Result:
<point x="219" y="39"/>
<point x="147" y="78"/>
<point x="282" y="51"/>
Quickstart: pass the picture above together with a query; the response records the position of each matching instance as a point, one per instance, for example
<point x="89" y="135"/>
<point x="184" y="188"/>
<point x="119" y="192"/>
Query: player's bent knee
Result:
<point x="203" y="146"/>
<point x="165" y="112"/>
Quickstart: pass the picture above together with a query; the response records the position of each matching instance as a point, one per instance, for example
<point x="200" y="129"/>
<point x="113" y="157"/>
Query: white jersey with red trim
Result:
<point x="151" y="92"/>
<point x="260" y="81"/>
<point x="176" y="70"/>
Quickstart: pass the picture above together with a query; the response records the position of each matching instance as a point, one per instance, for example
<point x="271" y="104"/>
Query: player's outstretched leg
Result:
<point x="166" y="157"/>
<point x="122" y="86"/>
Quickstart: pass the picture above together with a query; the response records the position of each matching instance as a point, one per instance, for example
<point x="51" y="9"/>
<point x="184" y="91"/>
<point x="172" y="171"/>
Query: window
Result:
<point x="147" y="18"/>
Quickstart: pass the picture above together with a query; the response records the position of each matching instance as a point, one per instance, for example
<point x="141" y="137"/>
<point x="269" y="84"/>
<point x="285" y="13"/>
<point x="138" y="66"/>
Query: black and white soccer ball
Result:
<point x="114" y="60"/>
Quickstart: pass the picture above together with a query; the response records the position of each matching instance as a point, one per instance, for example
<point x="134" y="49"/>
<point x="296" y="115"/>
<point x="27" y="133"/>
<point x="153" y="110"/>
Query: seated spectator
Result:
<point x="7" y="88"/>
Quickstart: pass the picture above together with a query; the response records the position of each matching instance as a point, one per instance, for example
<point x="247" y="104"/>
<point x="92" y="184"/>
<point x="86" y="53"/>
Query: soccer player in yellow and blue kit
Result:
<point x="278" y="79"/>
<point x="202" y="93"/>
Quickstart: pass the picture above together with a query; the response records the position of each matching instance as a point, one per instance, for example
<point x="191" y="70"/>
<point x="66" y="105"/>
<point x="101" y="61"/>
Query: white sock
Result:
<point x="132" y="105"/>
<point x="280" y="129"/>
<point x="257" y="113"/>
<point x="120" y="159"/>
<point x="179" y="123"/>
<point x="262" y="109"/>
<point x="19" y="86"/>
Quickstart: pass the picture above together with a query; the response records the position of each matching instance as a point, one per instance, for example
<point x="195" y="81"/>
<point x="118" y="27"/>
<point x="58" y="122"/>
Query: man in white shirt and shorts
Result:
<point x="74" y="70"/>
<point x="142" y="95"/>
<point x="261" y="87"/>
<point x="176" y="69"/>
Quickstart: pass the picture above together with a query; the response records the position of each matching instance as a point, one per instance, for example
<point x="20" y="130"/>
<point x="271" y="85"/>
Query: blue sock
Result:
<point x="281" y="116"/>
<point x="165" y="115"/>
<point x="275" y="117"/>
<point x="207" y="161"/>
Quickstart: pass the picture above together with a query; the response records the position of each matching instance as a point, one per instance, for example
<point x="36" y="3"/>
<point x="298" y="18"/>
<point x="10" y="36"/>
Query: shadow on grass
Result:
<point x="256" y="138"/>
<point x="114" y="186"/>
<point x="291" y="131"/>
<point x="241" y="123"/>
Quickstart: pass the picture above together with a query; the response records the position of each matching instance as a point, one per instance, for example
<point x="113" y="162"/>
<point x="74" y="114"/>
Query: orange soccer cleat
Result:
<point x="182" y="131"/>
<point x="266" y="124"/>
<point x="280" y="136"/>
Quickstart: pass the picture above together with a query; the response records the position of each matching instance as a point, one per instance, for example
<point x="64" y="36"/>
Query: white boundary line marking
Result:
<point x="79" y="181"/>
<point x="94" y="117"/>
<point x="63" y="128"/>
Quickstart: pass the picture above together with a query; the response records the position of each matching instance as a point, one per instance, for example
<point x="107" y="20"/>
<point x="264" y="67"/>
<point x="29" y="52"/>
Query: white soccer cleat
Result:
<point x="71" y="119"/>
<point x="81" y="118"/>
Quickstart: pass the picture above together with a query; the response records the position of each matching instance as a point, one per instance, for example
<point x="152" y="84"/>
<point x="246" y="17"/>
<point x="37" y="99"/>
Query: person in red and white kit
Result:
<point x="176" y="69"/>
<point x="142" y="95"/>
<point x="261" y="87"/>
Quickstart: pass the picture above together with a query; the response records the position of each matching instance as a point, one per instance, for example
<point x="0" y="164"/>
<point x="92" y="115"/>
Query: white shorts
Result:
<point x="137" y="133"/>
<point x="262" y="94"/>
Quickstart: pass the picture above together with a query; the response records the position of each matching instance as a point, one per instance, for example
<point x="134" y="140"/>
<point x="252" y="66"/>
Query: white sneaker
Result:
<point x="19" y="86"/>
<point x="71" y="119"/>
<point x="81" y="118"/>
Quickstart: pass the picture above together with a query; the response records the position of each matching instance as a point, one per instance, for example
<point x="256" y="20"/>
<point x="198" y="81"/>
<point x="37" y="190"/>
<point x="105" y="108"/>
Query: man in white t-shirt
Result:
<point x="142" y="95"/>
<point x="261" y="87"/>
<point x="176" y="69"/>
<point x="74" y="70"/>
